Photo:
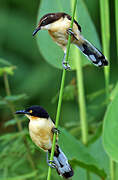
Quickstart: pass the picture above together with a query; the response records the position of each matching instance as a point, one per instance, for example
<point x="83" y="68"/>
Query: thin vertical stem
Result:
<point x="81" y="94"/>
<point x="112" y="169"/>
<point x="81" y="98"/>
<point x="57" y="120"/>
<point x="19" y="125"/>
<point x="81" y="101"/>
<point x="105" y="29"/>
<point x="61" y="94"/>
<point x="7" y="88"/>
<point x="116" y="16"/>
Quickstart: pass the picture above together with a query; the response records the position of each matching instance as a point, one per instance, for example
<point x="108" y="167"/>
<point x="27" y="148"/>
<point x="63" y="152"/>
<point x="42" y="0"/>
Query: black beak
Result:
<point x="36" y="30"/>
<point x="22" y="112"/>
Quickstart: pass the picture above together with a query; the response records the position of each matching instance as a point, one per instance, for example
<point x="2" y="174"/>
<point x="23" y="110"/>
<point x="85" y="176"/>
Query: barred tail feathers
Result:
<point x="62" y="165"/>
<point x="92" y="53"/>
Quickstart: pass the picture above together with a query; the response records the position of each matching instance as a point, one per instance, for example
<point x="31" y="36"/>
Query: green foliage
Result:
<point x="8" y="70"/>
<point x="33" y="81"/>
<point x="23" y="177"/>
<point x="79" y="154"/>
<point x="69" y="93"/>
<point x="110" y="129"/>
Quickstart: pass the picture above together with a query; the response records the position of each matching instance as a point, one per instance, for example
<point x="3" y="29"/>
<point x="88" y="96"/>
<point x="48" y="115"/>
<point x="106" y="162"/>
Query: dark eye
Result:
<point x="43" y="23"/>
<point x="48" y="20"/>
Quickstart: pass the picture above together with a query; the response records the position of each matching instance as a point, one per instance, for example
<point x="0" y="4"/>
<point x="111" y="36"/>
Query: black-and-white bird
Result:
<point x="41" y="130"/>
<point x="58" y="26"/>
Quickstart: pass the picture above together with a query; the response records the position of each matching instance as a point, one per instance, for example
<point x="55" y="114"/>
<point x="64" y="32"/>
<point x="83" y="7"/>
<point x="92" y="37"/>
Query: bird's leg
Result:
<point x="70" y="31"/>
<point x="66" y="66"/>
<point x="49" y="162"/>
<point x="55" y="130"/>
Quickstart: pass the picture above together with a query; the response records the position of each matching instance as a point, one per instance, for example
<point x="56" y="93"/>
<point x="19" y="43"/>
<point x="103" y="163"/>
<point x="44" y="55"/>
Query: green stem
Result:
<point x="81" y="102"/>
<point x="19" y="125"/>
<point x="81" y="98"/>
<point x="57" y="121"/>
<point x="88" y="175"/>
<point x="61" y="94"/>
<point x="105" y="28"/>
<point x="112" y="169"/>
<point x="116" y="15"/>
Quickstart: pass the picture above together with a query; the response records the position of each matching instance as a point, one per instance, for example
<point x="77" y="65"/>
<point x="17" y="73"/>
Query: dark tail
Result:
<point x="62" y="166"/>
<point x="92" y="53"/>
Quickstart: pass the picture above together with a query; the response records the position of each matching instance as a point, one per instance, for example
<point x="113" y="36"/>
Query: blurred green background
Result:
<point x="36" y="82"/>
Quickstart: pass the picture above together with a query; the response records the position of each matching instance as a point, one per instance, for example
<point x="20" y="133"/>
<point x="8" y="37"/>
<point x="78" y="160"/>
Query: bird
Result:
<point x="41" y="130"/>
<point x="58" y="26"/>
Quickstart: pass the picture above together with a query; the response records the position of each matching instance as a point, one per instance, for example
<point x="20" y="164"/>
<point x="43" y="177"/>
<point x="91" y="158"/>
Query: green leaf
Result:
<point x="24" y="176"/>
<point x="7" y="70"/>
<point x="96" y="135"/>
<point x="10" y="123"/>
<point x="68" y="94"/>
<point x="52" y="52"/>
<point x="14" y="98"/>
<point x="79" y="154"/>
<point x="114" y="92"/>
<point x="2" y="101"/>
<point x="13" y="122"/>
<point x="11" y="136"/>
<point x="4" y="62"/>
<point x="110" y="128"/>
<point x="99" y="153"/>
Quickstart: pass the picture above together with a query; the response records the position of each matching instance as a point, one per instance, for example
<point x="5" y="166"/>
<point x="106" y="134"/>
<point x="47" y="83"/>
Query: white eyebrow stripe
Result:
<point x="47" y="17"/>
<point x="44" y="19"/>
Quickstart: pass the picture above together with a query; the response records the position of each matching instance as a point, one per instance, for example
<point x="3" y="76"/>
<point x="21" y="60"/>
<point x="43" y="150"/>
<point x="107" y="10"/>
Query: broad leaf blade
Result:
<point x="110" y="133"/>
<point x="15" y="98"/>
<point x="79" y="154"/>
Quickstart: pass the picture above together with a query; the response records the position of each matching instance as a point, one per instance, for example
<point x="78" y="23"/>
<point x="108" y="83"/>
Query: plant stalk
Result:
<point x="81" y="98"/>
<point x="105" y="29"/>
<point x="112" y="169"/>
<point x="19" y="125"/>
<point x="116" y="17"/>
<point x="61" y="94"/>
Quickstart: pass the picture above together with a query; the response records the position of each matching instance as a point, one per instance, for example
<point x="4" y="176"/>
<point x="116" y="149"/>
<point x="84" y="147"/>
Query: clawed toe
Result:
<point x="66" y="66"/>
<point x="55" y="130"/>
<point x="51" y="164"/>
<point x="69" y="31"/>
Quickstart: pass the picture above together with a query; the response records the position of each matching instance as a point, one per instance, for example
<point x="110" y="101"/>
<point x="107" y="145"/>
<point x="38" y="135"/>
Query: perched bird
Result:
<point x="41" y="130"/>
<point x="58" y="26"/>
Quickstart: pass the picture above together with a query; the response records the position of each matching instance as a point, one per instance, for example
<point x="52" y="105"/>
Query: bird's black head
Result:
<point x="47" y="19"/>
<point x="35" y="111"/>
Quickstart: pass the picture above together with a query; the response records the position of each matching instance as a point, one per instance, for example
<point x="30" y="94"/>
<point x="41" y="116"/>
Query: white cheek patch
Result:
<point x="92" y="57"/>
<point x="46" y="26"/>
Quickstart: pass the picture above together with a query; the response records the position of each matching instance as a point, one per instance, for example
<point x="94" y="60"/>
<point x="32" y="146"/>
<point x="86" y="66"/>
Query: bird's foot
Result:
<point x="66" y="66"/>
<point x="55" y="130"/>
<point x="51" y="164"/>
<point x="70" y="32"/>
